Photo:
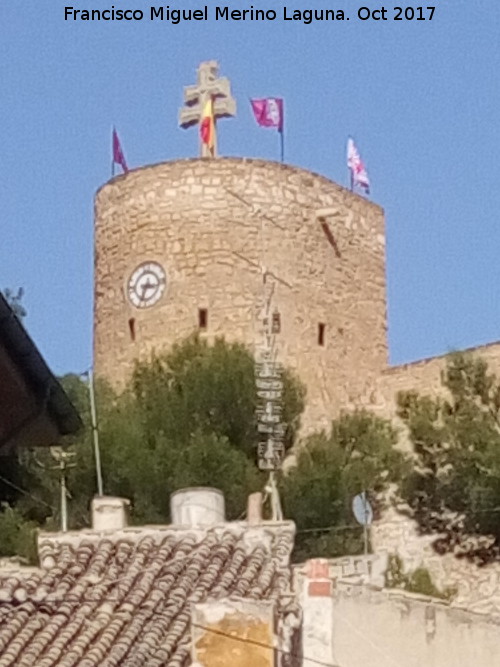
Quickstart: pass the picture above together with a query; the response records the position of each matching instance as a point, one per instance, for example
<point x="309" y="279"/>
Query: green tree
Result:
<point x="208" y="388"/>
<point x="17" y="534"/>
<point x="193" y="410"/>
<point x="415" y="581"/>
<point x="187" y="418"/>
<point x="454" y="489"/>
<point x="357" y="455"/>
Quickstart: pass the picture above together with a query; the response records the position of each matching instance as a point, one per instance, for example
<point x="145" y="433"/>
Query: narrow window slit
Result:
<point x="321" y="334"/>
<point x="202" y="318"/>
<point x="131" y="328"/>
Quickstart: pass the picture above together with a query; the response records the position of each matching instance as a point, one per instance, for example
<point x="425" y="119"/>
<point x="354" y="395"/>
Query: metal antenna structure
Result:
<point x="269" y="385"/>
<point x="64" y="459"/>
<point x="268" y="371"/>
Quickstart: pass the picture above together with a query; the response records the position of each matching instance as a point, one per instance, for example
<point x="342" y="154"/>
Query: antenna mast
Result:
<point x="269" y="383"/>
<point x="268" y="371"/>
<point x="64" y="460"/>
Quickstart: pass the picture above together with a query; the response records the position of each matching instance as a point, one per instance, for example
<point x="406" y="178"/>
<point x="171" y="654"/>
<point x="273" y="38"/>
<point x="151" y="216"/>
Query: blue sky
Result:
<point x="422" y="100"/>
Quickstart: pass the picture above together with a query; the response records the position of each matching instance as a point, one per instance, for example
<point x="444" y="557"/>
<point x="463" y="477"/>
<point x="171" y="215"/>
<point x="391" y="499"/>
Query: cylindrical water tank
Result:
<point x="197" y="506"/>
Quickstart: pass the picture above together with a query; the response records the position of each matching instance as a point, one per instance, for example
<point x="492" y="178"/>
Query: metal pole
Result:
<point x="365" y="525"/>
<point x="64" y="503"/>
<point x="113" y="131"/>
<point x="95" y="433"/>
<point x="277" y="512"/>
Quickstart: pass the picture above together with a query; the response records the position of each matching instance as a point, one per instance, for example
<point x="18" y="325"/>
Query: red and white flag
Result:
<point x="207" y="126"/>
<point x="268" y="112"/>
<point x="118" y="156"/>
<point x="359" y="175"/>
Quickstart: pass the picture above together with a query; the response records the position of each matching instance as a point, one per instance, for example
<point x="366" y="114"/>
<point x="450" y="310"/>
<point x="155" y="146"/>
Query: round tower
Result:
<point x="179" y="248"/>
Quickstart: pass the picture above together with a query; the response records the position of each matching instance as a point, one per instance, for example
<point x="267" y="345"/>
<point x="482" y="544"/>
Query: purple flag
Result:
<point x="118" y="156"/>
<point x="268" y="112"/>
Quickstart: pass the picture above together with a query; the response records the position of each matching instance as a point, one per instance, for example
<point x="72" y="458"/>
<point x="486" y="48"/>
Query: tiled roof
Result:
<point x="124" y="597"/>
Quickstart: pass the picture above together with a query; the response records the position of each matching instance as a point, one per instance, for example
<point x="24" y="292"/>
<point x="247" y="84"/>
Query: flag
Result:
<point x="207" y="125"/>
<point x="118" y="156"/>
<point x="359" y="175"/>
<point x="268" y="112"/>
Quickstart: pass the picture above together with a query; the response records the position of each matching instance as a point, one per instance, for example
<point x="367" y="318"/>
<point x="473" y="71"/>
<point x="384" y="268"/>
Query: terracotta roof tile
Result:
<point x="124" y="598"/>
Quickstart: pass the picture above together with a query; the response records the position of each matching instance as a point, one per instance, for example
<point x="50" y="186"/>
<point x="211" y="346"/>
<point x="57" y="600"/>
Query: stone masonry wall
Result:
<point x="478" y="588"/>
<point x="204" y="221"/>
<point x="423" y="376"/>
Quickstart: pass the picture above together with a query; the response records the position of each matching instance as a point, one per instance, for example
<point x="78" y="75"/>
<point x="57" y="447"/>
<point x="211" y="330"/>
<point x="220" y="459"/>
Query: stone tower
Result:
<point x="178" y="249"/>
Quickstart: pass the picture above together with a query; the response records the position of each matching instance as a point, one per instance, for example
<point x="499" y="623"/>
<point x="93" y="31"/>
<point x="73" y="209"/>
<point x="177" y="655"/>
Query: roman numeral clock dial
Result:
<point x="146" y="285"/>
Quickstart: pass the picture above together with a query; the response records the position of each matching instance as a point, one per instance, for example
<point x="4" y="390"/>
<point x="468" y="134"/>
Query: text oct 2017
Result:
<point x="409" y="13"/>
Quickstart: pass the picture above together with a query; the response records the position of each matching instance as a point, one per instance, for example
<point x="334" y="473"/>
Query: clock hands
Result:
<point x="146" y="285"/>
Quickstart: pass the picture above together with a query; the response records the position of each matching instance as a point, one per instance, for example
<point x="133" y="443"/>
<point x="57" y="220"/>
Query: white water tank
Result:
<point x="197" y="506"/>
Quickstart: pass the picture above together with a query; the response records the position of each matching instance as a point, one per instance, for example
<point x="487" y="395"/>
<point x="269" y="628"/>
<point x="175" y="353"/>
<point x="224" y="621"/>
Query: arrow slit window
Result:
<point x="202" y="318"/>
<point x="321" y="334"/>
<point x="131" y="328"/>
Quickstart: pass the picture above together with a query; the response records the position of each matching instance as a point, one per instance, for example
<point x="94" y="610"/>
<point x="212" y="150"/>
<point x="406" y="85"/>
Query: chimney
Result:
<point x="254" y="509"/>
<point x="109" y="513"/>
<point x="317" y="609"/>
<point x="197" y="507"/>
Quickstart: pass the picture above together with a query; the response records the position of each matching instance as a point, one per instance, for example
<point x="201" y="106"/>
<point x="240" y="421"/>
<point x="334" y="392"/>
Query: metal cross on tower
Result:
<point x="209" y="86"/>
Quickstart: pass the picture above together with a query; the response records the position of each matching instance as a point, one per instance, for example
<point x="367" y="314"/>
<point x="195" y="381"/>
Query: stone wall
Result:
<point x="477" y="588"/>
<point x="423" y="376"/>
<point x="204" y="222"/>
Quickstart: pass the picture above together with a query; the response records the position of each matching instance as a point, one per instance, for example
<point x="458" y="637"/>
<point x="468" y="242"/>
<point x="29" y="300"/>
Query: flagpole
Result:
<point x="282" y="128"/>
<point x="113" y="151"/>
<point x="351" y="175"/>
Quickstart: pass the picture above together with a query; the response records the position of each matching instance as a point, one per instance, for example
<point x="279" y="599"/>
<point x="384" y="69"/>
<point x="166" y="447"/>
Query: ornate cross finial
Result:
<point x="209" y="87"/>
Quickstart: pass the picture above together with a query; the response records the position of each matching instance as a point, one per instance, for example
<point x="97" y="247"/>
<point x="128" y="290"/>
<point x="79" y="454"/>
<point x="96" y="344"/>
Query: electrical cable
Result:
<point x="254" y="642"/>
<point x="26" y="493"/>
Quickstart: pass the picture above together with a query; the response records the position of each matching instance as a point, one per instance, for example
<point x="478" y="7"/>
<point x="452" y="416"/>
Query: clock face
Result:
<point x="146" y="284"/>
